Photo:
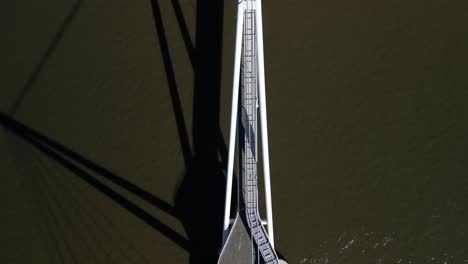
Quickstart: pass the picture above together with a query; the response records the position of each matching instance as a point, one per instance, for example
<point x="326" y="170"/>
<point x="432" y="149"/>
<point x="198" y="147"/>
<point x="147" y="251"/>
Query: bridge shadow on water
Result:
<point x="199" y="200"/>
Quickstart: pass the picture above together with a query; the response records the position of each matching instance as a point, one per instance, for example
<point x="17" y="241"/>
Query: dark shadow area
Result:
<point x="72" y="161"/>
<point x="200" y="197"/>
<point x="45" y="57"/>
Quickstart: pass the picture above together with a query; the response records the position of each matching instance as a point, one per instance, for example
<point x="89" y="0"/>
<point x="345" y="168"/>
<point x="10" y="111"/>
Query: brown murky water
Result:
<point x="367" y="121"/>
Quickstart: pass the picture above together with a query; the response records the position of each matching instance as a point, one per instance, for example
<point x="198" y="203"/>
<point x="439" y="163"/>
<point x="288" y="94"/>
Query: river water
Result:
<point x="126" y="107"/>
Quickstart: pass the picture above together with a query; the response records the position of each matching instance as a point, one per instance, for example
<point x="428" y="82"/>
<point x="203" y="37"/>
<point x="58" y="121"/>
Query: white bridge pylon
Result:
<point x="227" y="221"/>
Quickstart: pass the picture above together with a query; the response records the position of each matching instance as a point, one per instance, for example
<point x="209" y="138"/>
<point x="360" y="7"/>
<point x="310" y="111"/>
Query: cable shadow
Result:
<point x="45" y="57"/>
<point x="171" y="80"/>
<point x="199" y="200"/>
<point x="68" y="159"/>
